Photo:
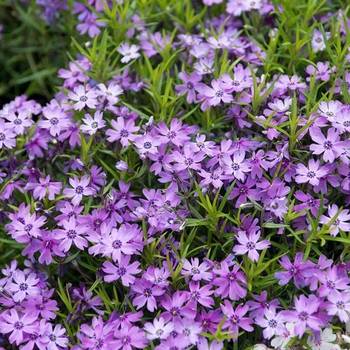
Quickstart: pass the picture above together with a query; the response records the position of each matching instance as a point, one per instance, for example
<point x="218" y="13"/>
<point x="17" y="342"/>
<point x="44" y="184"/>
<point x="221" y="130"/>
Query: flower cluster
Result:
<point x="185" y="198"/>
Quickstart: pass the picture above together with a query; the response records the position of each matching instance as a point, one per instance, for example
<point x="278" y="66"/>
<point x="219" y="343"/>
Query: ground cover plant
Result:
<point x="174" y="174"/>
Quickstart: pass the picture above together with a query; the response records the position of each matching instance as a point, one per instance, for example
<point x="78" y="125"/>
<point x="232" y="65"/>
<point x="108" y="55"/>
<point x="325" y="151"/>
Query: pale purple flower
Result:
<point x="92" y="124"/>
<point x="318" y="41"/>
<point x="236" y="166"/>
<point x="56" y="120"/>
<point x="111" y="92"/>
<point x="123" y="270"/>
<point x="339" y="219"/>
<point x="195" y="270"/>
<point x="272" y="322"/>
<point x="313" y="173"/>
<point x="55" y="337"/>
<point x="248" y="244"/>
<point x="23" y="285"/>
<point x="147" y="144"/>
<point x="19" y="325"/>
<point x="331" y="147"/>
<point x="305" y="315"/>
<point x="19" y="121"/>
<point x="72" y="233"/>
<point x="83" y="97"/>
<point x="7" y="135"/>
<point x="80" y="187"/>
<point x="331" y="281"/>
<point x="339" y="305"/>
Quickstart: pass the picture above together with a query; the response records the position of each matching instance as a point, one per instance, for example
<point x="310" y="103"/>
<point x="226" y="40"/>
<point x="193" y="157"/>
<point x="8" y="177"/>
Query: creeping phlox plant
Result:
<point x="187" y="186"/>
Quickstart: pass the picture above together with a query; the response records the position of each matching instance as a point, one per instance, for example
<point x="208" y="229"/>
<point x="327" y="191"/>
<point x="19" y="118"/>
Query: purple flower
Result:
<point x="90" y="24"/>
<point x="190" y="83"/>
<point x="214" y="95"/>
<point x="125" y="240"/>
<point x="260" y="304"/>
<point x="201" y="295"/>
<point x="249" y="244"/>
<point x="71" y="233"/>
<point x="175" y="307"/>
<point x="81" y="187"/>
<point x="145" y="294"/>
<point x="122" y="270"/>
<point x="312" y="174"/>
<point x="195" y="270"/>
<point x="235" y="318"/>
<point x="19" y="325"/>
<point x="175" y="134"/>
<point x="56" y="120"/>
<point x="244" y="191"/>
<point x="298" y="270"/>
<point x="331" y="147"/>
<point x="123" y="131"/>
<point x="128" y="338"/>
<point x="44" y="187"/>
<point x="331" y="281"/>
<point x="23" y="286"/>
<point x="231" y="282"/>
<point x="305" y="314"/>
<point x="55" y="338"/>
<point x="308" y="202"/>
<point x="188" y="159"/>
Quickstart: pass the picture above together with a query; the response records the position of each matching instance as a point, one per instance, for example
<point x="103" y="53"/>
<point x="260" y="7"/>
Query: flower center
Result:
<point x="328" y="145"/>
<point x="147" y="145"/>
<point x="54" y="121"/>
<point x="124" y="133"/>
<point x="23" y="287"/>
<point x="71" y="234"/>
<point x="79" y="189"/>
<point x="18" y="325"/>
<point x="117" y="244"/>
<point x="303" y="316"/>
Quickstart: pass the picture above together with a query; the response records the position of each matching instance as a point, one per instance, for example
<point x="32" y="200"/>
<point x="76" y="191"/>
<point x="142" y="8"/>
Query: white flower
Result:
<point x="281" y="342"/>
<point x="129" y="52"/>
<point x="159" y="329"/>
<point x="324" y="342"/>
